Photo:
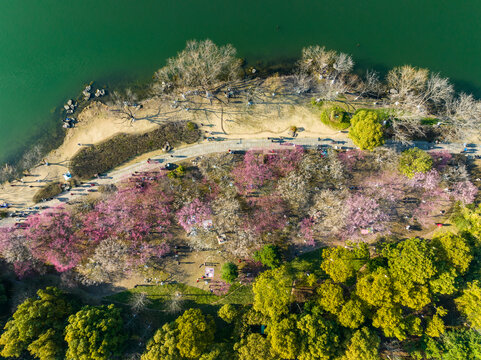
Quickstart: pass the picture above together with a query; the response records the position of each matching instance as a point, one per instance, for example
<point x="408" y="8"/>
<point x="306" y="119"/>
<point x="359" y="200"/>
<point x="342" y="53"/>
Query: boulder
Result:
<point x="70" y="102"/>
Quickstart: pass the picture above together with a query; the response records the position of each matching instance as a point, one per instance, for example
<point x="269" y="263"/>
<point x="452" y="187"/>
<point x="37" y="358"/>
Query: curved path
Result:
<point x="205" y="148"/>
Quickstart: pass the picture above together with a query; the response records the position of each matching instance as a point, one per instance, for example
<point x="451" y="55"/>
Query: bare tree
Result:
<point x="124" y="104"/>
<point x="108" y="263"/>
<point x="464" y="113"/>
<point x="318" y="61"/>
<point x="201" y="64"/>
<point x="328" y="211"/>
<point x="371" y="86"/>
<point x="139" y="301"/>
<point x="406" y="81"/>
<point x="175" y="303"/>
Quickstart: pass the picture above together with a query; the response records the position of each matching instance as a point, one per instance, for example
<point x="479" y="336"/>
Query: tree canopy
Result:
<point x="95" y="333"/>
<point x="413" y="161"/>
<point x="366" y="130"/>
<point x="37" y="326"/>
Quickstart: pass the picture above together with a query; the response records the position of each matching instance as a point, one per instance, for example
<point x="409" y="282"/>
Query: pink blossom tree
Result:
<point x="363" y="213"/>
<point x="306" y="230"/>
<point x="253" y="172"/>
<point x="465" y="192"/>
<point x="268" y="213"/>
<point x="53" y="238"/>
<point x="193" y="214"/>
<point x="441" y="158"/>
<point x="350" y="158"/>
<point x="428" y="181"/>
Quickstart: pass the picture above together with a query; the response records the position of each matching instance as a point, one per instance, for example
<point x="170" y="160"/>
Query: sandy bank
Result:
<point x="98" y="122"/>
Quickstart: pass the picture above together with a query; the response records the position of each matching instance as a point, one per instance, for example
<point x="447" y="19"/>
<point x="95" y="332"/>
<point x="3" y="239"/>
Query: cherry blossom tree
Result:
<point x="268" y="214"/>
<point x="53" y="238"/>
<point x="363" y="213"/>
<point x="193" y="214"/>
<point x="441" y="158"/>
<point x="464" y="191"/>
<point x="306" y="230"/>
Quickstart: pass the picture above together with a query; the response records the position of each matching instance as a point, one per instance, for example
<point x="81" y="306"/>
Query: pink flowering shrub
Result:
<point x="258" y="167"/>
<point x="465" y="192"/>
<point x="363" y="213"/>
<point x="268" y="214"/>
<point x="350" y="157"/>
<point x="193" y="214"/>
<point x="428" y="181"/>
<point x="440" y="158"/>
<point x="306" y="231"/>
<point x="53" y="238"/>
<point x="385" y="187"/>
<point x="282" y="162"/>
<point x="132" y="213"/>
<point x="253" y="172"/>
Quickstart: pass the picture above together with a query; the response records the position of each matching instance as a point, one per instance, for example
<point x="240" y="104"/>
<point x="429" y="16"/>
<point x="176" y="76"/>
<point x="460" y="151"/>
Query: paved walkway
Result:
<point x="205" y="148"/>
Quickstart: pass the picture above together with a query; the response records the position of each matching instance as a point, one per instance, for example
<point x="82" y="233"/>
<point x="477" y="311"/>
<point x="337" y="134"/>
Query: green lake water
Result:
<point x="51" y="48"/>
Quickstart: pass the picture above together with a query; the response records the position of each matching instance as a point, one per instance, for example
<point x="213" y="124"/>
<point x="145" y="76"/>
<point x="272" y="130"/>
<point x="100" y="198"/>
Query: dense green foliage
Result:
<point x="229" y="272"/>
<point x="94" y="333"/>
<point x="105" y="156"/>
<point x="335" y="117"/>
<point x="366" y="130"/>
<point x="349" y="303"/>
<point x="414" y="161"/>
<point x="47" y="191"/>
<point x="37" y="326"/>
<point x="269" y="256"/>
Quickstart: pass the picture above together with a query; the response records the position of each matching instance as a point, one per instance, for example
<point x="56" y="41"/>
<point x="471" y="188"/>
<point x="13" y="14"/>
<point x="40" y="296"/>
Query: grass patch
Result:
<point x="48" y="191"/>
<point x="335" y="117"/>
<point x="112" y="153"/>
<point x="429" y="121"/>
<point x="238" y="294"/>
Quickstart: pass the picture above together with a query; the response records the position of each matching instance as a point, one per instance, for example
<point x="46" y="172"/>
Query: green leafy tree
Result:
<point x="363" y="345"/>
<point x="331" y="297"/>
<point x="444" y="283"/>
<point x="411" y="260"/>
<point x="375" y="288"/>
<point x="163" y="345"/>
<point x="95" y="333"/>
<point x="255" y="347"/>
<point x="453" y="250"/>
<point x="352" y="314"/>
<point x="366" y="130"/>
<point x="195" y="333"/>
<point x="341" y="264"/>
<point x="284" y="337"/>
<point x="435" y="325"/>
<point x="462" y="344"/>
<point x="37" y="326"/>
<point x="269" y="256"/>
<point x="320" y="338"/>
<point x="391" y="320"/>
<point x="229" y="272"/>
<point x="469" y="303"/>
<point x="414" y="161"/>
<point x="272" y="292"/>
<point x="412" y="295"/>
<point x="228" y="313"/>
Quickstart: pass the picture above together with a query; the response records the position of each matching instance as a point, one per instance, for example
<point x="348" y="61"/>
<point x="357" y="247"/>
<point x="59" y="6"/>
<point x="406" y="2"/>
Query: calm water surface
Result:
<point x="50" y="48"/>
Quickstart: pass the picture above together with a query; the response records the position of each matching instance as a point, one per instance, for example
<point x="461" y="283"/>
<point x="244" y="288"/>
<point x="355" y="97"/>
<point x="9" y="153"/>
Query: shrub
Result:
<point x="229" y="272"/>
<point x="366" y="131"/>
<point x="336" y="118"/>
<point x="3" y="214"/>
<point x="269" y="256"/>
<point x="414" y="161"/>
<point x="48" y="191"/>
<point x="111" y="153"/>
